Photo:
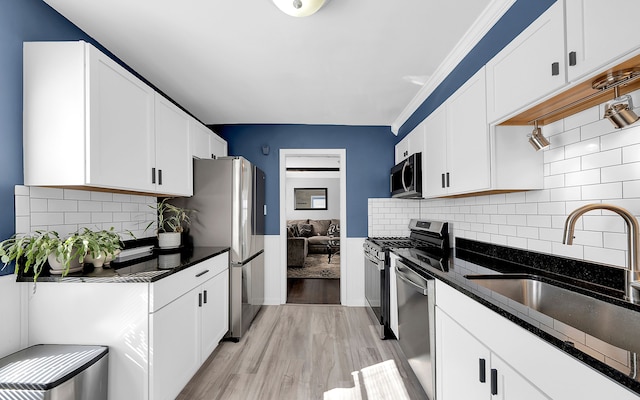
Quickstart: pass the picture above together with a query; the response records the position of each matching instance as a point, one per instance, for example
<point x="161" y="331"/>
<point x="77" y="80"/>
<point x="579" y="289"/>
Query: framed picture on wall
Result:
<point x="310" y="198"/>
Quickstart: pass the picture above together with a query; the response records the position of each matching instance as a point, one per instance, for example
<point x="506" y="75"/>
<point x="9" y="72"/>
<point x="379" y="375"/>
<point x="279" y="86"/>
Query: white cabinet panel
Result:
<point x="530" y="67"/>
<point x="174" y="355"/>
<point x="596" y="39"/>
<point x="200" y="137"/>
<point x="215" y="313"/>
<point x="218" y="146"/>
<point x="173" y="162"/>
<point x="435" y="160"/>
<point x="511" y="385"/>
<point x="468" y="151"/>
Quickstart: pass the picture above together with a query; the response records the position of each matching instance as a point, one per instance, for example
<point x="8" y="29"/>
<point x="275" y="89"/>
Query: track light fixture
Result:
<point x="537" y="139"/>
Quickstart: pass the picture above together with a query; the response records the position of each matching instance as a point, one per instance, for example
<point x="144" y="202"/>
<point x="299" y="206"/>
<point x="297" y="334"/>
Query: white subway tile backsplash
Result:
<point x="606" y="256"/>
<point x="565" y="138"/>
<point x="585" y="177"/>
<point x="540" y="221"/>
<point x="597" y="128"/>
<point x="527" y="208"/>
<point x="602" y="159"/>
<point x="566" y="193"/>
<point x="631" y="154"/>
<point x="620" y="138"/>
<point x="67" y="210"/>
<point x="616" y="241"/>
<point x="582" y="118"/>
<point x="582" y="148"/>
<point x="588" y="238"/>
<point x="603" y="191"/>
<point x="554" y="155"/>
<point x="564" y="166"/>
<point x="553" y="181"/>
<point x="552" y="208"/>
<point x="631" y="189"/>
<point x="624" y="172"/>
<point x="602" y="223"/>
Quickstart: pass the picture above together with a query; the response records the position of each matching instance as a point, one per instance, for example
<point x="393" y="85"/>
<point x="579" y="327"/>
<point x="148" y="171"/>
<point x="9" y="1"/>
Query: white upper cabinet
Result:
<point x="468" y="147"/>
<point x="173" y="165"/>
<point x="596" y="38"/>
<point x="435" y="160"/>
<point x="411" y="144"/>
<point x="89" y="122"/>
<point x="530" y="67"/>
<point x="218" y="146"/>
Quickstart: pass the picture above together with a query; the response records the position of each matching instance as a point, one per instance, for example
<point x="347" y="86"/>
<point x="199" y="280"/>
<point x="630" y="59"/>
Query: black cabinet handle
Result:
<point x="555" y="69"/>
<point x="447" y="179"/>
<point x="159" y="177"/>
<point x="205" y="297"/>
<point x="198" y="275"/>
<point x="199" y="299"/>
<point x="494" y="381"/>
<point x="443" y="180"/>
<point x="572" y="58"/>
<point x="153" y="175"/>
<point x="482" y="370"/>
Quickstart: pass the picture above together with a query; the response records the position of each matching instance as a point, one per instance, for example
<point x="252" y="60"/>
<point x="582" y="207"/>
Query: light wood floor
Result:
<point x="297" y="352"/>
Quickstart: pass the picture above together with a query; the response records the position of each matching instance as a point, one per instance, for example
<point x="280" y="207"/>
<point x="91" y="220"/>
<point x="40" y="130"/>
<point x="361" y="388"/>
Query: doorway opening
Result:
<point x="313" y="225"/>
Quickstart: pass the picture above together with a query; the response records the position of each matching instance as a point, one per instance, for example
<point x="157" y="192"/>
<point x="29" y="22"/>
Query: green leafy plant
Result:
<point x="171" y="218"/>
<point x="101" y="242"/>
<point x="30" y="252"/>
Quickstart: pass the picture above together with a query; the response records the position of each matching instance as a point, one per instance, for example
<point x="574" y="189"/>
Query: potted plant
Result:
<point x="30" y="252"/>
<point x="172" y="222"/>
<point x="102" y="246"/>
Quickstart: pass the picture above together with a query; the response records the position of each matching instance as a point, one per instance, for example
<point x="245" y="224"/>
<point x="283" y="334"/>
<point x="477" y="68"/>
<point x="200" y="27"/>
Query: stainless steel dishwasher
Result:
<point x="416" y="313"/>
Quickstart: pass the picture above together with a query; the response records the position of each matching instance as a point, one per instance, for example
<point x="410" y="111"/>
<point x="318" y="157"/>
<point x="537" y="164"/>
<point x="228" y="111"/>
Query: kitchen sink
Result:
<point x="610" y="323"/>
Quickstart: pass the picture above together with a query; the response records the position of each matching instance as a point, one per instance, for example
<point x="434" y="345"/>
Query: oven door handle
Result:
<point x="403" y="277"/>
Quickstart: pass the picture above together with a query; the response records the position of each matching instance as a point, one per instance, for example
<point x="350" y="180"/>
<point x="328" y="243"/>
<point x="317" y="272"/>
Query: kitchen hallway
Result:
<point x="297" y="352"/>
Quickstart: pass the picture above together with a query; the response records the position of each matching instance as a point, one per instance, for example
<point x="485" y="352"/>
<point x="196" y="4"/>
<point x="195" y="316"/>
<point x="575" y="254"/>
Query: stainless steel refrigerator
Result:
<point x="228" y="197"/>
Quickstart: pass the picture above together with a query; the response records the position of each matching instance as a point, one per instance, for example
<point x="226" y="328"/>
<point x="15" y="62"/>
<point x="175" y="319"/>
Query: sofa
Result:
<point x="306" y="236"/>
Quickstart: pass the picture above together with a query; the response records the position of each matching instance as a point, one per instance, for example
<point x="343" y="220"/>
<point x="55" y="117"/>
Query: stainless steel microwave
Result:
<point x="406" y="178"/>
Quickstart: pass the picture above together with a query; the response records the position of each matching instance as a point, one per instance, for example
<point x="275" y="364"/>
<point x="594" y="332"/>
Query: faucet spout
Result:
<point x="632" y="277"/>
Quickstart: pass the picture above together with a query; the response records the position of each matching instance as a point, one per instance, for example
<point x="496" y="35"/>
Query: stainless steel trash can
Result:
<point x="55" y="372"/>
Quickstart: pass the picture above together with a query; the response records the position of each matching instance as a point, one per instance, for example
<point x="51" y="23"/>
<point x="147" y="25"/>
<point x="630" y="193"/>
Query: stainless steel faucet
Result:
<point x="632" y="276"/>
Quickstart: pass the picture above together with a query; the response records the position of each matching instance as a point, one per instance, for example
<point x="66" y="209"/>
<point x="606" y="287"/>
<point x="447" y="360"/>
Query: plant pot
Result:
<point x="111" y="257"/>
<point x="97" y="262"/>
<point x="58" y="269"/>
<point x="168" y="261"/>
<point x="169" y="240"/>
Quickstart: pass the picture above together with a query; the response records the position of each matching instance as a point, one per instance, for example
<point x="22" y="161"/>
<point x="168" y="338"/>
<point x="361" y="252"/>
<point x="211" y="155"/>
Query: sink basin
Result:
<point x="613" y="324"/>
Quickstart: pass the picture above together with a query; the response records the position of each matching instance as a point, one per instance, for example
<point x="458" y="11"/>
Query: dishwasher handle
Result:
<point x="401" y="275"/>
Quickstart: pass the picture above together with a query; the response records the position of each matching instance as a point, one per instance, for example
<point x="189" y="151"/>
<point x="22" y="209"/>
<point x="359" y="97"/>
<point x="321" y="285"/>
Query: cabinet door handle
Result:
<point x="447" y="179"/>
<point x="198" y="275"/>
<point x="443" y="181"/>
<point x="482" y="370"/>
<point x="572" y="58"/>
<point x="555" y="68"/>
<point x="200" y="301"/>
<point x="494" y="381"/>
<point x="153" y="175"/>
<point x="159" y="177"/>
<point x="205" y="297"/>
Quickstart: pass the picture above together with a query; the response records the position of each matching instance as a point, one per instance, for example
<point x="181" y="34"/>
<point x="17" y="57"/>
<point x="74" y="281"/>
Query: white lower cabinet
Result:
<point x="467" y="369"/>
<point x="158" y="333"/>
<point x="526" y="367"/>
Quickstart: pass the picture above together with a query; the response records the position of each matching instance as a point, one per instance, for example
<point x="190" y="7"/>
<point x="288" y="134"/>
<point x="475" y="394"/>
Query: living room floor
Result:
<point x="313" y="291"/>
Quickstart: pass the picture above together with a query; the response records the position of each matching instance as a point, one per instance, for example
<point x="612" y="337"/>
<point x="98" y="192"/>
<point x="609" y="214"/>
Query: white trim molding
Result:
<point x="491" y="14"/>
<point x="342" y="153"/>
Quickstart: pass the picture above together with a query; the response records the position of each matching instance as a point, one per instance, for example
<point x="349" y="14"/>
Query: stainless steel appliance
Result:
<point x="416" y="298"/>
<point x="228" y="197"/>
<point x="406" y="177"/>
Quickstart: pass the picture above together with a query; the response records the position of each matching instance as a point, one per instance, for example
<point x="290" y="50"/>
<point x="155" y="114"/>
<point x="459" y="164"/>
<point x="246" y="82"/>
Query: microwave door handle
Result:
<point x="404" y="185"/>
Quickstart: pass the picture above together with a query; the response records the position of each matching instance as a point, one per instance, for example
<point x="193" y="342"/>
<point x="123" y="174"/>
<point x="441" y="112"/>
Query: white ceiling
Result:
<point x="233" y="61"/>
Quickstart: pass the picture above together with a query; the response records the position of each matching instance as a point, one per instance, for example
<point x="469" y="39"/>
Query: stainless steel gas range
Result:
<point x="430" y="235"/>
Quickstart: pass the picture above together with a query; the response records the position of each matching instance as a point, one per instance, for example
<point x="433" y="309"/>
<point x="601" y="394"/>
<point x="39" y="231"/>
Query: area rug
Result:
<point x="316" y="266"/>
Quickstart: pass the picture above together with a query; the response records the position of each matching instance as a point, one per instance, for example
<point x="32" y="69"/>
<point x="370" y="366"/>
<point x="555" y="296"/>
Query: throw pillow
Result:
<point x="334" y="230"/>
<point x="305" y="230"/>
<point x="292" y="230"/>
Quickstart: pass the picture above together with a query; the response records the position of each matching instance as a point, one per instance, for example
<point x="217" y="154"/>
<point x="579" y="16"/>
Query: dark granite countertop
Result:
<point x="465" y="262"/>
<point x="151" y="268"/>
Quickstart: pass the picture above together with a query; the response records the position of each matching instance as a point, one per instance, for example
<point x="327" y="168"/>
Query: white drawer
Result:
<point x="170" y="288"/>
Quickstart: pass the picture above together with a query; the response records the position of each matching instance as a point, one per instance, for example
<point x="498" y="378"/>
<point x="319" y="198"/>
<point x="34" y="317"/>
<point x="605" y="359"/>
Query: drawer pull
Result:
<point x="202" y="273"/>
<point x="482" y="370"/>
<point x="494" y="381"/>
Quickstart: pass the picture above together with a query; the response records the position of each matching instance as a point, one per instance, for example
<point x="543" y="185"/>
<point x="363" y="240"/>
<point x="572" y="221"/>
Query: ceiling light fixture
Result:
<point x="537" y="139"/>
<point x="299" y="8"/>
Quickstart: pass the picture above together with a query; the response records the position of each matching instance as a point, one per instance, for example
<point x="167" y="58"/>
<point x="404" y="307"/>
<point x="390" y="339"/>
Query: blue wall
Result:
<point x="514" y="21"/>
<point x="369" y="158"/>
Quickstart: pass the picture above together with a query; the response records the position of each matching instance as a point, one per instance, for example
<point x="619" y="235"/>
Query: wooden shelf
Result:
<point x="572" y="95"/>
